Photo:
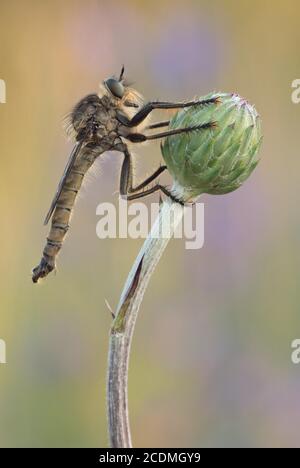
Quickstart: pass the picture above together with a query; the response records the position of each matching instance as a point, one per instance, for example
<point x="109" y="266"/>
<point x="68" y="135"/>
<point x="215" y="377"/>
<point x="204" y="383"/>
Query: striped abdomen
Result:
<point x="62" y="213"/>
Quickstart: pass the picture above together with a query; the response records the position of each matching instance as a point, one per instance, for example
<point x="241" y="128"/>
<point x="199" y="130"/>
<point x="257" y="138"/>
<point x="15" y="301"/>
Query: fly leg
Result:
<point x="126" y="182"/>
<point x="164" y="123"/>
<point x="153" y="189"/>
<point x="140" y="137"/>
<point x="145" y="111"/>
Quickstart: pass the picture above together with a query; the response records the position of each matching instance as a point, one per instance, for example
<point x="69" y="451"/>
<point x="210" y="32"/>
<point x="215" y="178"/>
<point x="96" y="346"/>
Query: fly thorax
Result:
<point x="84" y="111"/>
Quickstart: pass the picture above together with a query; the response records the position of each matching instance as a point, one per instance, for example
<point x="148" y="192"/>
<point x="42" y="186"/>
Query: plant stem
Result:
<point x="122" y="329"/>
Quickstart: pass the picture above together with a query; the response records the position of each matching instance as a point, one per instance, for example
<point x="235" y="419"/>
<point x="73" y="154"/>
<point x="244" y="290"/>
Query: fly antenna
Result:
<point x="122" y="73"/>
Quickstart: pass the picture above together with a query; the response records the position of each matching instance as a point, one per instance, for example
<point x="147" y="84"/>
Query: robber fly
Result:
<point x="102" y="123"/>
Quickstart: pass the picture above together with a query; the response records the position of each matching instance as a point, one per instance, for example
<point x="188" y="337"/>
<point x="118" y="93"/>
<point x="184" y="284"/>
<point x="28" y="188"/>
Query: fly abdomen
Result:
<point x="62" y="214"/>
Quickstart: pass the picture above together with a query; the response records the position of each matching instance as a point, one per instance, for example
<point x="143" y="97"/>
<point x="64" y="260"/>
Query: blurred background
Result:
<point x="211" y="358"/>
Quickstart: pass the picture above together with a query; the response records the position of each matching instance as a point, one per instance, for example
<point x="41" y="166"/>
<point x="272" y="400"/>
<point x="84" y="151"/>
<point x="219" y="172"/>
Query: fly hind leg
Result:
<point x="126" y="182"/>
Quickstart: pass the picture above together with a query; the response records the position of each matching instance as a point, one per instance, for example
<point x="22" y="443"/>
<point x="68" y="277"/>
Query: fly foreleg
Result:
<point x="140" y="116"/>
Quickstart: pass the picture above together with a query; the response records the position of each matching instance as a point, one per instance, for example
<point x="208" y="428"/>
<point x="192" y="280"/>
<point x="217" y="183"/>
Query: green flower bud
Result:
<point x="215" y="160"/>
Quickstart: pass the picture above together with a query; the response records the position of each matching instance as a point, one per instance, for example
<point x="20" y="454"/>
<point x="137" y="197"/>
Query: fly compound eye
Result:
<point x="115" y="87"/>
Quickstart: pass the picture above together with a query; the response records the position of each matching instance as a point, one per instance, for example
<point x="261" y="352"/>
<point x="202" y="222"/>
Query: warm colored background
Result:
<point x="211" y="357"/>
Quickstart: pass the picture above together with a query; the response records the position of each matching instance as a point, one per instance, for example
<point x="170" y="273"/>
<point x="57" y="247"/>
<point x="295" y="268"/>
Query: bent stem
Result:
<point x="122" y="328"/>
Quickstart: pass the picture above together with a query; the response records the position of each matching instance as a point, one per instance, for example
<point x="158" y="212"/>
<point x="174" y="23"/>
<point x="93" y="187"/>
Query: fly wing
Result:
<point x="67" y="171"/>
